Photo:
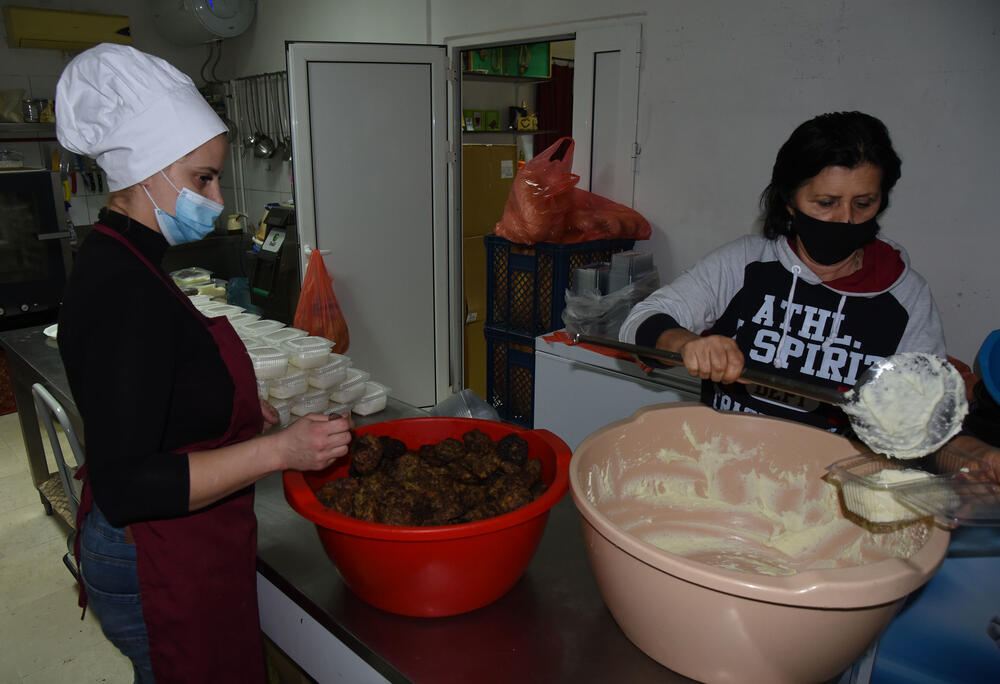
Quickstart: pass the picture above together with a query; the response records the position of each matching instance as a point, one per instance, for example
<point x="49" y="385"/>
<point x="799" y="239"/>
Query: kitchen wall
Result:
<point x="722" y="85"/>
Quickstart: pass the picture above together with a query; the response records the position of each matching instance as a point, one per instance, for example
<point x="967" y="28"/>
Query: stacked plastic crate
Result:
<point x="526" y="294"/>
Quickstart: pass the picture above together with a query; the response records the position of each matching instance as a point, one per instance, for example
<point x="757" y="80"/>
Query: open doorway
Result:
<point x="516" y="100"/>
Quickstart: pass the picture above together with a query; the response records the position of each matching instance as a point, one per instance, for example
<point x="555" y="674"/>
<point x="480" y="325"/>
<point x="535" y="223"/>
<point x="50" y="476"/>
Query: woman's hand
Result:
<point x="270" y="414"/>
<point x="988" y="465"/>
<point x="715" y="357"/>
<point x="315" y="441"/>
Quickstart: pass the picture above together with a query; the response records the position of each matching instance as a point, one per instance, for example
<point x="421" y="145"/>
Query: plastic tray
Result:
<point x="952" y="493"/>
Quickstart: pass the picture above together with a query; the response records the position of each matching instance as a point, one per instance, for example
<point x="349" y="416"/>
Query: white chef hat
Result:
<point x="132" y="112"/>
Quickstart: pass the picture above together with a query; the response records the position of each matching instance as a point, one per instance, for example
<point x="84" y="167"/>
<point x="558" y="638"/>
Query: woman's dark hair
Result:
<point x="846" y="139"/>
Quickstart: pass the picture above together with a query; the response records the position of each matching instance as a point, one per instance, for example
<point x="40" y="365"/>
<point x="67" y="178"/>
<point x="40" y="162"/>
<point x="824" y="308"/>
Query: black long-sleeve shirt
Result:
<point x="145" y="374"/>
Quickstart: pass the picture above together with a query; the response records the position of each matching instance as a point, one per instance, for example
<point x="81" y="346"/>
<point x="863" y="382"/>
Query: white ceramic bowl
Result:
<point x="719" y="624"/>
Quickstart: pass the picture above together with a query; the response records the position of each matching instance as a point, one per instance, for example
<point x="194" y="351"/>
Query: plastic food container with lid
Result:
<point x="268" y="362"/>
<point x="292" y="383"/>
<point x="262" y="388"/>
<point x="200" y="299"/>
<point x="282" y="335"/>
<point x="373" y="400"/>
<point x="191" y="277"/>
<point x="308" y="352"/>
<point x="227" y="310"/>
<point x="260" y="328"/>
<point x="331" y="373"/>
<point x="243" y="318"/>
<point x="315" y="401"/>
<point x="339" y="409"/>
<point x="352" y="388"/>
<point x="284" y="409"/>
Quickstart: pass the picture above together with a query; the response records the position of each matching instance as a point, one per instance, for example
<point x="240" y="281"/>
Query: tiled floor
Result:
<point x="42" y="639"/>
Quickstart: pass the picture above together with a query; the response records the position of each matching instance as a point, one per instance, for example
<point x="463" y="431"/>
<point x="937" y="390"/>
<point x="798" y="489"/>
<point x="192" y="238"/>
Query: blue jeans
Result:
<point x="109" y="574"/>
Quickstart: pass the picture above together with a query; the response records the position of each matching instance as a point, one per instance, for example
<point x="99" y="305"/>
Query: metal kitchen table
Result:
<point x="552" y="626"/>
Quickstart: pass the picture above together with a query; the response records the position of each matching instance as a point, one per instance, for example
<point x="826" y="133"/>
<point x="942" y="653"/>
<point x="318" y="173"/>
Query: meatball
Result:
<point x="449" y="450"/>
<point x="513" y="448"/>
<point x="477" y="441"/>
<point x="339" y="494"/>
<point x="391" y="448"/>
<point x="366" y="454"/>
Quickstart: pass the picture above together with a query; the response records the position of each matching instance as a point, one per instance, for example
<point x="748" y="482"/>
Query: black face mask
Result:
<point x="829" y="242"/>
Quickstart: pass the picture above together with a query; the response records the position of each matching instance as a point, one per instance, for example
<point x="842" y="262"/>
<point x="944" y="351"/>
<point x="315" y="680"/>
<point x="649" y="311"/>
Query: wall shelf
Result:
<point x="28" y="132"/>
<point x="496" y="78"/>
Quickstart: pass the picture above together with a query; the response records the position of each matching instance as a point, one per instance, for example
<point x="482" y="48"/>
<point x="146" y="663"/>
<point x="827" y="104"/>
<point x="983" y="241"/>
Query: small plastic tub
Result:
<point x="227" y="310"/>
<point x="315" y="401"/>
<point x="284" y="409"/>
<point x="191" y="277"/>
<point x="352" y="388"/>
<point x="373" y="400"/>
<point x="290" y="384"/>
<point x="263" y="388"/>
<point x="339" y="409"/>
<point x="308" y="352"/>
<point x="243" y="318"/>
<point x="279" y="337"/>
<point x="260" y="328"/>
<point x="869" y="483"/>
<point x="330" y="374"/>
<point x="269" y="362"/>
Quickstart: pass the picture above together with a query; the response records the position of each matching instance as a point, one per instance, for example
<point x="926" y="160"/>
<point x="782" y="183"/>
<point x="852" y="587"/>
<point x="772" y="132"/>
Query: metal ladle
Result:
<point x="264" y="147"/>
<point x="945" y="416"/>
<point x="251" y="139"/>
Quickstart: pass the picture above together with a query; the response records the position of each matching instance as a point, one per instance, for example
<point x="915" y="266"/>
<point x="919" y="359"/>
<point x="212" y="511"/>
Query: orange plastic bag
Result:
<point x="544" y="205"/>
<point x="318" y="312"/>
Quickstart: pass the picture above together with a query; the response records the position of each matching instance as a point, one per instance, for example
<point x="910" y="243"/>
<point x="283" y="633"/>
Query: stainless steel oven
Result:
<point x="34" y="247"/>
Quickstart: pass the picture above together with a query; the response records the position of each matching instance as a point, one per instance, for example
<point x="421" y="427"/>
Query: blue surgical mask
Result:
<point x="194" y="216"/>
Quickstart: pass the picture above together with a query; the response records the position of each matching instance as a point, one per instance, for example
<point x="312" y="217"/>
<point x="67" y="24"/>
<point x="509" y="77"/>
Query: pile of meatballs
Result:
<point x="453" y="481"/>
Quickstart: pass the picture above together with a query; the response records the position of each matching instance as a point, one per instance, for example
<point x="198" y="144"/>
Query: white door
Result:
<point x="605" y="109"/>
<point x="370" y="137"/>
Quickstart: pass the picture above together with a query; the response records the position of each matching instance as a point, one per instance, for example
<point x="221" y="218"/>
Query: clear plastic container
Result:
<point x="308" y="352"/>
<point x="373" y="400"/>
<point x="244" y="318"/>
<point x="952" y="498"/>
<point x="352" y="388"/>
<point x="260" y="328"/>
<point x="330" y="374"/>
<point x="339" y="409"/>
<point x="200" y="299"/>
<point x="227" y="310"/>
<point x="284" y="409"/>
<point x="279" y="337"/>
<point x="191" y="277"/>
<point x="315" y="401"/>
<point x="269" y="362"/>
<point x="287" y="386"/>
<point x="262" y="388"/>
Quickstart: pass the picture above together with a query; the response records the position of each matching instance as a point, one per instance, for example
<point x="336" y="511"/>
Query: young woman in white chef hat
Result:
<point x="167" y="533"/>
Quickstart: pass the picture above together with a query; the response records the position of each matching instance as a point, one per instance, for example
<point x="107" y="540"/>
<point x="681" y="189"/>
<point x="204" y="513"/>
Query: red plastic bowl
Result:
<point x="443" y="570"/>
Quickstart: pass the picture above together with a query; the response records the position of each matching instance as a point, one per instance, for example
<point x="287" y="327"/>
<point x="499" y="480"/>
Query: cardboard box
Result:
<point x="474" y="292"/>
<point x="487" y="175"/>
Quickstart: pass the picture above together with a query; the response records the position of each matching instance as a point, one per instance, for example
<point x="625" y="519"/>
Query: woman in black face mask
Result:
<point x="818" y="297"/>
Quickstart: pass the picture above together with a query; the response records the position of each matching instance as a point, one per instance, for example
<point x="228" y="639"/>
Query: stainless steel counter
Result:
<point x="551" y="627"/>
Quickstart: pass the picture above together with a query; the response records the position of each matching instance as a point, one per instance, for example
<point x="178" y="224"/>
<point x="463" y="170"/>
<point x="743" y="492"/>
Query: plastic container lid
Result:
<point x="289" y="385"/>
<point x="261" y="327"/>
<point x="331" y="373"/>
<point x="308" y="352"/>
<point x="268" y="362"/>
<point x="279" y="337"/>
<point x="952" y="498"/>
<point x="338" y="408"/>
<point x="227" y="310"/>
<point x="243" y="318"/>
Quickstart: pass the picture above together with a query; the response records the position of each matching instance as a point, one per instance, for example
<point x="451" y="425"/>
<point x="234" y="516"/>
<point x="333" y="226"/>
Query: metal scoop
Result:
<point x="872" y="406"/>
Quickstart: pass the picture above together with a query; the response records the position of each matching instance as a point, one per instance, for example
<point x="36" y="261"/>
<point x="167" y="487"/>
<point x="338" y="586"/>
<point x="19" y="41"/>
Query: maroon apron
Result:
<point x="197" y="573"/>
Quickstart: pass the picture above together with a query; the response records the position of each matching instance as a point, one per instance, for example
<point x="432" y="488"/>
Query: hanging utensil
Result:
<point x="882" y="404"/>
<point x="285" y="114"/>
<point x="250" y="139"/>
<point x="264" y="146"/>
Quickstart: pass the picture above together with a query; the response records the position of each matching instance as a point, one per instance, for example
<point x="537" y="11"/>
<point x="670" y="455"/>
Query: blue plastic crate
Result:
<point x="510" y="375"/>
<point x="526" y="284"/>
